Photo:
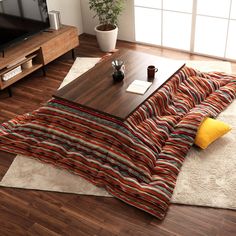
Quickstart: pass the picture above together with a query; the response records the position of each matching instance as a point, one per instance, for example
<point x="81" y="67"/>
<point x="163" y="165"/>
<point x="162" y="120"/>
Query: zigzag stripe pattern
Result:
<point x="138" y="160"/>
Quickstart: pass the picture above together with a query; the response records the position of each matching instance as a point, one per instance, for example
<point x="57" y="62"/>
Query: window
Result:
<point x="189" y="25"/>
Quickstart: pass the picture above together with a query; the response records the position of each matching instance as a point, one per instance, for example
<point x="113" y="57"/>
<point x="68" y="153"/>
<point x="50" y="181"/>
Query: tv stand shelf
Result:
<point x="37" y="51"/>
<point x="21" y="75"/>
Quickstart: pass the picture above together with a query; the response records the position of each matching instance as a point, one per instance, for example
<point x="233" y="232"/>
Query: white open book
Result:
<point x="138" y="86"/>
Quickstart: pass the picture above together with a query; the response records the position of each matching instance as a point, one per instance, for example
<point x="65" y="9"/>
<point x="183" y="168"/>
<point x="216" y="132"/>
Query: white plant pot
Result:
<point x="106" y="39"/>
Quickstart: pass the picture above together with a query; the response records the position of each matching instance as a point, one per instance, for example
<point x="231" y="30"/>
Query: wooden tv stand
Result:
<point x="35" y="52"/>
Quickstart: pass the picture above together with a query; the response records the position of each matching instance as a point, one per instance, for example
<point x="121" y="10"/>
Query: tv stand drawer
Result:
<point x="59" y="45"/>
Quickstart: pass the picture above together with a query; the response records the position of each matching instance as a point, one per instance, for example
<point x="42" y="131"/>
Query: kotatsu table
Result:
<point x="132" y="145"/>
<point x="96" y="89"/>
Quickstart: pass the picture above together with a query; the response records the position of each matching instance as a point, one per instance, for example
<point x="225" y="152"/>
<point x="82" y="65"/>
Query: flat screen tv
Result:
<point x="20" y="19"/>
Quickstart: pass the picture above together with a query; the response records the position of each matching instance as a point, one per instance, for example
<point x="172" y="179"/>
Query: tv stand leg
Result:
<point x="44" y="71"/>
<point x="9" y="92"/>
<point x="73" y="54"/>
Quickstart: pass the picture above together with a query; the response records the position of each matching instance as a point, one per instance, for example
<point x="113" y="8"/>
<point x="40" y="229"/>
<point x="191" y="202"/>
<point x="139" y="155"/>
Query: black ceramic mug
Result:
<point x="151" y="70"/>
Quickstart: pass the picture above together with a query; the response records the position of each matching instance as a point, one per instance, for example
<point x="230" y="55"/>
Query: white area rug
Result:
<point x="29" y="173"/>
<point x="80" y="66"/>
<point x="208" y="178"/>
<point x="209" y="66"/>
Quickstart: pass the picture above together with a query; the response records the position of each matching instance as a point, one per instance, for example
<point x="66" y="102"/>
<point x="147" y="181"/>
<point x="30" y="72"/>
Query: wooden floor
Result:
<point x="27" y="212"/>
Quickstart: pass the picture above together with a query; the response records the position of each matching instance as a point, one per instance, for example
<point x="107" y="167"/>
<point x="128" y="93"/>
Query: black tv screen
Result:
<point x="20" y="19"/>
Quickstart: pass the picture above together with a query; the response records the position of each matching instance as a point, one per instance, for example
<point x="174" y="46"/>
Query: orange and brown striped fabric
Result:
<point x="138" y="160"/>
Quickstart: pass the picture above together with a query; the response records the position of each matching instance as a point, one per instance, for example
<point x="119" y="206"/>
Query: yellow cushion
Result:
<point x="210" y="130"/>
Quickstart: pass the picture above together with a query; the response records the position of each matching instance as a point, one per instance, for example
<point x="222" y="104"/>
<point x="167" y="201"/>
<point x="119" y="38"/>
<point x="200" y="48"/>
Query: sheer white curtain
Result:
<point x="202" y="26"/>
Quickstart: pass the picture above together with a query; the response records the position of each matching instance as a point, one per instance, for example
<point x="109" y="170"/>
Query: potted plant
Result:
<point x="107" y="12"/>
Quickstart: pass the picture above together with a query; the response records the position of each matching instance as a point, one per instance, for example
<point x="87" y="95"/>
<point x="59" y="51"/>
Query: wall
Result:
<point x="70" y="11"/>
<point x="126" y="20"/>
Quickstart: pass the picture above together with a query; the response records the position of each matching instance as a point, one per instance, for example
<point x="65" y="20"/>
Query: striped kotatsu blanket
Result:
<point x="137" y="160"/>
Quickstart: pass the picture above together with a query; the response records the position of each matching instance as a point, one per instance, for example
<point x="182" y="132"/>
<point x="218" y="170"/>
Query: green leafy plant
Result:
<point x="107" y="12"/>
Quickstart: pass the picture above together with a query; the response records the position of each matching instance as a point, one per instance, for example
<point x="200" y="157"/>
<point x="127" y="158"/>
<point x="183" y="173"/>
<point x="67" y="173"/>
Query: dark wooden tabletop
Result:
<point x="96" y="89"/>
